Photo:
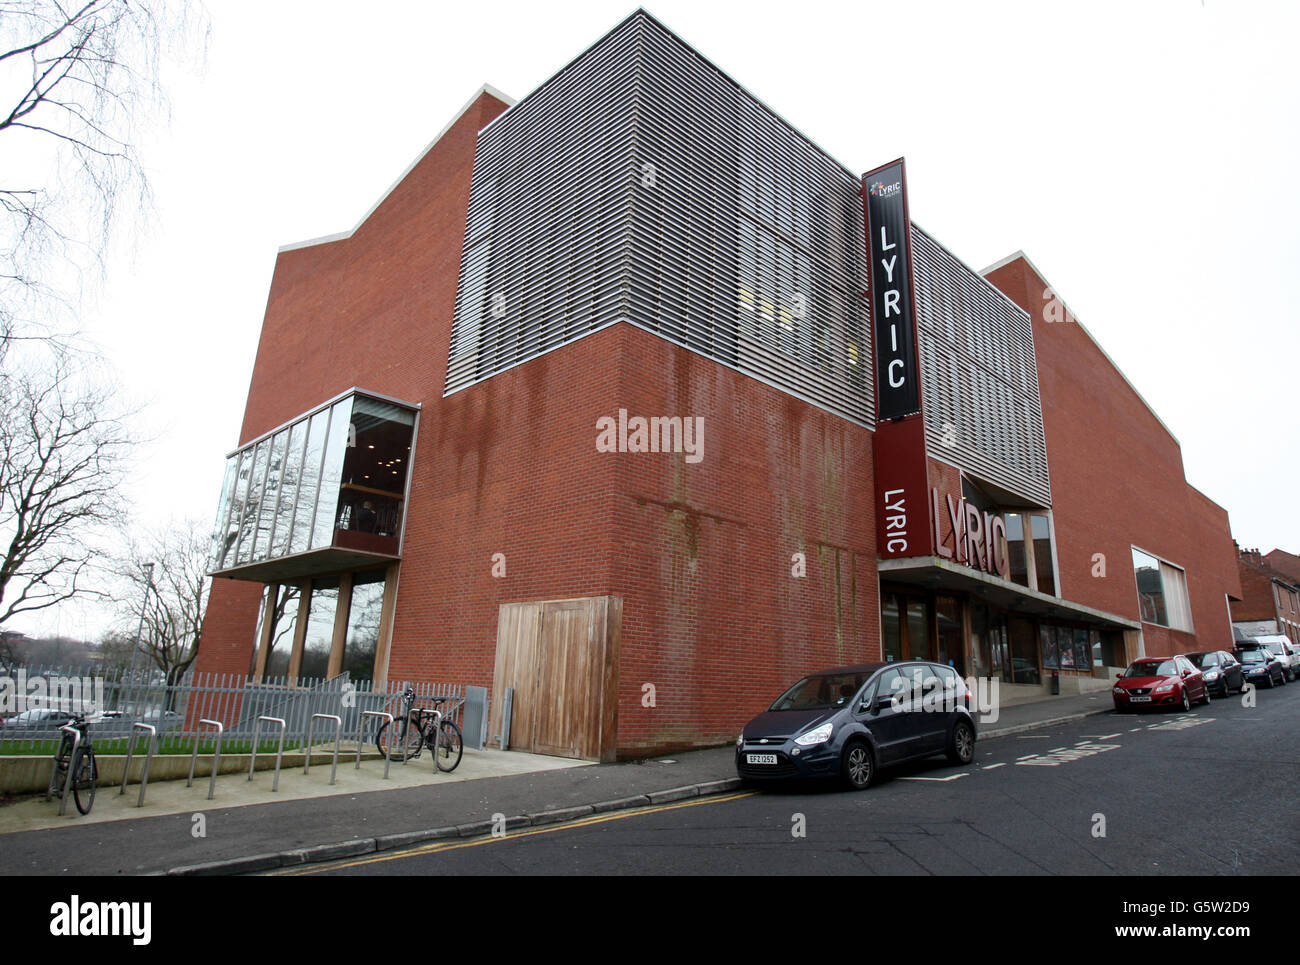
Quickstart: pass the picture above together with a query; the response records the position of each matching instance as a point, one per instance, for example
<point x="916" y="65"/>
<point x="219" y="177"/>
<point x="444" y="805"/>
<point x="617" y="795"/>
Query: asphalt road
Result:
<point x="1212" y="792"/>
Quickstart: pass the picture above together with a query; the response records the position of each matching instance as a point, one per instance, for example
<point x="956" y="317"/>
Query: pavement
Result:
<point x="246" y="827"/>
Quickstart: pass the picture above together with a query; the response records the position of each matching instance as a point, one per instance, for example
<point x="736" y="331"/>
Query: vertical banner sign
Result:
<point x="889" y="241"/>
<point x="903" y="524"/>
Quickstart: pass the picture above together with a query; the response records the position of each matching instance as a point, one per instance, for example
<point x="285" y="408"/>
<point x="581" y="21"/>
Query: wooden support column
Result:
<point x="267" y="627"/>
<point x="384" y="649"/>
<point x="340" y="626"/>
<point x="300" y="633"/>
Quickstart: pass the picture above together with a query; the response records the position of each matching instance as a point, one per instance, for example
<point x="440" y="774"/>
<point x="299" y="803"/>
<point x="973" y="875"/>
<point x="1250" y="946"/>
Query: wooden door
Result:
<point x="561" y="658"/>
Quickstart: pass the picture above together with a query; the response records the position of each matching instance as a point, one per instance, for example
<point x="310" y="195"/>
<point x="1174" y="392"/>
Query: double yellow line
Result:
<point x="441" y="846"/>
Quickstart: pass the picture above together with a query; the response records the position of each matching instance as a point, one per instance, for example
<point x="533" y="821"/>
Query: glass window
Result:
<point x="1016" y="549"/>
<point x="363" y="625"/>
<point x="319" y="637"/>
<point x="313" y="460"/>
<point x="1047" y="639"/>
<point x="918" y="630"/>
<point x="375" y="467"/>
<point x="1162" y="592"/>
<point x="253" y="502"/>
<point x="219" y="533"/>
<point x="284" y="512"/>
<point x="1082" y="650"/>
<point x="285" y="623"/>
<point x="271" y="494"/>
<point x="1043" y="554"/>
<point x="336" y="449"/>
<point x="1064" y="647"/>
<point x="1024" y="659"/>
<point x="891" y="631"/>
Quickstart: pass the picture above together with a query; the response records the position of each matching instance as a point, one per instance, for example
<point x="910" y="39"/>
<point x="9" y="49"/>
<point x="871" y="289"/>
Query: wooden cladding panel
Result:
<point x="561" y="658"/>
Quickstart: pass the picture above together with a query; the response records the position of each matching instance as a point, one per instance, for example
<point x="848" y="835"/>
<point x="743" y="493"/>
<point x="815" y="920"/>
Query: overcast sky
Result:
<point x="1143" y="155"/>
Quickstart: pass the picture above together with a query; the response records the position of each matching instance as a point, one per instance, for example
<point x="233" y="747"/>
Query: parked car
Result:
<point x="162" y="720"/>
<point x="848" y="722"/>
<point x="1159" y="682"/>
<point x="1261" y="666"/>
<point x="1221" y="670"/>
<point x="1286" y="653"/>
<point x="40" y="718"/>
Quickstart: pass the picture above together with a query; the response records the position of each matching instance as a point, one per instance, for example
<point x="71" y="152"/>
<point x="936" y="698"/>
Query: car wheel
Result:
<point x="1187" y="701"/>
<point x="858" y="768"/>
<point x="961" y="749"/>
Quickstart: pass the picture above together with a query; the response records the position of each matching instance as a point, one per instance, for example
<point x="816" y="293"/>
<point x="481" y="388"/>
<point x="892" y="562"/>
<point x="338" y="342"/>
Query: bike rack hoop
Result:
<point x="216" y="756"/>
<point x="338" y="728"/>
<point x="279" y="751"/>
<point x="72" y="761"/>
<point x="150" y="747"/>
<point x="361" y="730"/>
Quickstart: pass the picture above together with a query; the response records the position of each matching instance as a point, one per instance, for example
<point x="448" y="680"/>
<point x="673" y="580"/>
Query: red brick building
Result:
<point x="585" y="407"/>
<point x="1270" y="597"/>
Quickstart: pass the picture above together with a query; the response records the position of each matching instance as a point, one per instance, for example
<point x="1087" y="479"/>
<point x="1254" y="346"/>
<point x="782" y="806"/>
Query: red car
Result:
<point x="1159" y="682"/>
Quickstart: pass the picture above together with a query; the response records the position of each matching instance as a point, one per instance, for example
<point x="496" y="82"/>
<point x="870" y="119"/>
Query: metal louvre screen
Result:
<point x="546" y="234"/>
<point x="747" y="240"/>
<point x="640" y="184"/>
<point x="980" y="376"/>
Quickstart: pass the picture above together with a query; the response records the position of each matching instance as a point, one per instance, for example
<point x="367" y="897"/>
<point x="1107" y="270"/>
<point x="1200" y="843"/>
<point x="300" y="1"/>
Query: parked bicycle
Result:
<point x="77" y="754"/>
<point x="418" y="728"/>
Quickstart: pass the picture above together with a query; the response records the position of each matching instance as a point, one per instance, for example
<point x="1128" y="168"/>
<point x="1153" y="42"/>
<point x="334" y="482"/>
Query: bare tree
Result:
<point x="60" y="481"/>
<point x="170" y="595"/>
<point x="84" y="79"/>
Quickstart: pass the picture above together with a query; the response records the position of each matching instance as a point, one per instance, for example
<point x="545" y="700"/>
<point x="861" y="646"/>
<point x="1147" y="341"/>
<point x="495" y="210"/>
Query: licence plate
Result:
<point x="1140" y="700"/>
<point x="760" y="758"/>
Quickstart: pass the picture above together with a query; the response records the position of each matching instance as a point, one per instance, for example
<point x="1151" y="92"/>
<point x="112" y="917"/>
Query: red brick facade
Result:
<point x="738" y="572"/>
<point x="1117" y="482"/>
<point x="701" y="553"/>
<point x="1268" y="593"/>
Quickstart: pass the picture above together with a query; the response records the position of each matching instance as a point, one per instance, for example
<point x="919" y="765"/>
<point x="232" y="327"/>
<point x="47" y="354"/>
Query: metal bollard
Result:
<point x="361" y="731"/>
<point x="148" y="758"/>
<point x="279" y="751"/>
<point x="216" y="757"/>
<point x="338" y="726"/>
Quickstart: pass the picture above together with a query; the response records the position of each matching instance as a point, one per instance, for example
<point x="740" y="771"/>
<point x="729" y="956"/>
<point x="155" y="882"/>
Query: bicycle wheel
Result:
<point x="411" y="737"/>
<point x="446" y="754"/>
<point x="85" y="774"/>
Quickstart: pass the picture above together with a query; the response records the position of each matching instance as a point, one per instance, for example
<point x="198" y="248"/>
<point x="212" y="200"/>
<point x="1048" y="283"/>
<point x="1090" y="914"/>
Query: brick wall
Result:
<point x="1117" y="481"/>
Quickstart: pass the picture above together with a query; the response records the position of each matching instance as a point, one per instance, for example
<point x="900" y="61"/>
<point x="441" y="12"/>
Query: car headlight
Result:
<point x="1164" y="689"/>
<point x="1118" y="691"/>
<point x="740" y="741"/>
<point x="1212" y="675"/>
<point x="818" y="736"/>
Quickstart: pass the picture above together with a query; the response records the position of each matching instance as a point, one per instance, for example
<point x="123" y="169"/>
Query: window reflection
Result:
<point x="319" y="637"/>
<point x="284" y="623"/>
<point x="340" y="469"/>
<point x="363" y="625"/>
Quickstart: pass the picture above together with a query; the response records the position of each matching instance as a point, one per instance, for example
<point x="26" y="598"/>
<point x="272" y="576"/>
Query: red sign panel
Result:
<point x="902" y="490"/>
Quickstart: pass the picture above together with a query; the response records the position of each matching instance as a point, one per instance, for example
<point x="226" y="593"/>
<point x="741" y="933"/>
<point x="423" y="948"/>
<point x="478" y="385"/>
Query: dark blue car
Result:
<point x="849" y="721"/>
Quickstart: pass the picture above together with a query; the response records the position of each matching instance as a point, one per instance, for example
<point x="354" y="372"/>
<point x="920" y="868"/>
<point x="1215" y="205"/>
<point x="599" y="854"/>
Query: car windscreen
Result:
<point x="1203" y="660"/>
<point x="1254" y="656"/>
<point x="821" y="691"/>
<point x="1153" y="668"/>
